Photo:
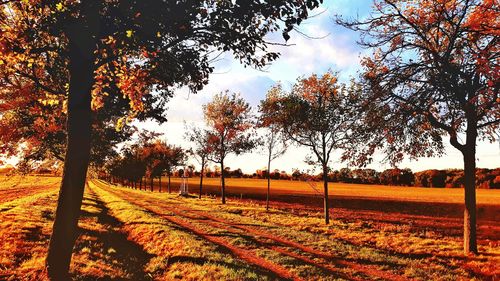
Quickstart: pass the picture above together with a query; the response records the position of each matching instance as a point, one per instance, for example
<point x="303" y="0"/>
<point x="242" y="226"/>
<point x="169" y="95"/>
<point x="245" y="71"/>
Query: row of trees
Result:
<point x="146" y="159"/>
<point x="69" y="68"/>
<point x="434" y="72"/>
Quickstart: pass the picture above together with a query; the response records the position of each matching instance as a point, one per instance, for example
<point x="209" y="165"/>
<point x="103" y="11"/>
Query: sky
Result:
<point x="335" y="48"/>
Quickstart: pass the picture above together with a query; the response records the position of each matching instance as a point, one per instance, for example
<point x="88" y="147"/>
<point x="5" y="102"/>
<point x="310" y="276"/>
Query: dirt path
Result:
<point x="184" y="216"/>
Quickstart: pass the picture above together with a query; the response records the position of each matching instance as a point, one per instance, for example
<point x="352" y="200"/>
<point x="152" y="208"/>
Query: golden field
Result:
<point x="127" y="234"/>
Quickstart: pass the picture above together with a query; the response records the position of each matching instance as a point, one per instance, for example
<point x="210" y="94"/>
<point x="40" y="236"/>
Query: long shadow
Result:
<point x="126" y="255"/>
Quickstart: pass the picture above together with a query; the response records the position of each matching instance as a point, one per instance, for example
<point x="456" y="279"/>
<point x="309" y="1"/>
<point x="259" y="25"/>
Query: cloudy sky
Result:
<point x="336" y="50"/>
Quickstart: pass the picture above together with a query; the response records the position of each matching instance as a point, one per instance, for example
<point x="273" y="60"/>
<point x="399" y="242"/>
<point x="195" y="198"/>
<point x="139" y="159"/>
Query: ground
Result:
<point x="377" y="233"/>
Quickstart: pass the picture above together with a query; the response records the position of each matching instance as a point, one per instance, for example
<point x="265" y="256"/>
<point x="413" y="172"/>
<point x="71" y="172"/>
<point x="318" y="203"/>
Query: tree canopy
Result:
<point x="434" y="72"/>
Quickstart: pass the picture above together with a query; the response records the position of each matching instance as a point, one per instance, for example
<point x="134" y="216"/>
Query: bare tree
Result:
<point x="201" y="150"/>
<point x="274" y="139"/>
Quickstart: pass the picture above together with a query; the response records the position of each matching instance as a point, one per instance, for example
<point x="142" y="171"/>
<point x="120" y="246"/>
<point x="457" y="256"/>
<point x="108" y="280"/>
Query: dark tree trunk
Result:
<point x="268" y="179"/>
<point x="169" y="182"/>
<point x="326" y="199"/>
<point x="81" y="69"/>
<point x="151" y="183"/>
<point x="159" y="183"/>
<point x="469" y="153"/>
<point x="223" y="183"/>
<point x="140" y="184"/>
<point x="201" y="176"/>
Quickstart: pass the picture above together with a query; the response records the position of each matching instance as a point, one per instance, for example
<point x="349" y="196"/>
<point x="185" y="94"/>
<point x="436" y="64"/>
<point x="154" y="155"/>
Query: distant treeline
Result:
<point x="450" y="178"/>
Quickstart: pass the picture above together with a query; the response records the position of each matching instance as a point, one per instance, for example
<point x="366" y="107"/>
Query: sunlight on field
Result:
<point x="284" y="187"/>
<point x="142" y="235"/>
<point x="392" y="248"/>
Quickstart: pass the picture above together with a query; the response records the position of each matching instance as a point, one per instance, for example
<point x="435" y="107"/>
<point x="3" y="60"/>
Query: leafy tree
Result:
<point x="102" y="48"/>
<point x="434" y="72"/>
<point x="201" y="150"/>
<point x="274" y="140"/>
<point x="230" y="124"/>
<point x="319" y="115"/>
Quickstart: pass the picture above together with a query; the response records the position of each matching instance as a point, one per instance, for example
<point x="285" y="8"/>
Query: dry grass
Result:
<point x="390" y="247"/>
<point x="252" y="187"/>
<point x="137" y="235"/>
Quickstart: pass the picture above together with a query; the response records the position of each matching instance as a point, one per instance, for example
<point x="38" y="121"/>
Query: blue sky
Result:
<point x="337" y="51"/>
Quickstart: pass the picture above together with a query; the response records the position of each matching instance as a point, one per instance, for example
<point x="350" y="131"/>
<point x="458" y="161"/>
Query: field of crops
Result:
<point x="141" y="235"/>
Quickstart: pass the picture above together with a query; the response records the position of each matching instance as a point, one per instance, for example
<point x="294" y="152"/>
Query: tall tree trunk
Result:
<point x="201" y="176"/>
<point x="159" y="182"/>
<point x="151" y="181"/>
<point x="469" y="154"/>
<point x="326" y="199"/>
<point x="140" y="184"/>
<point x="268" y="179"/>
<point x="169" y="182"/>
<point x="223" y="183"/>
<point x="81" y="69"/>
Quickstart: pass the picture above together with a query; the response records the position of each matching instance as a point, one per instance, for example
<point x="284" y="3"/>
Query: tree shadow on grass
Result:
<point x="120" y="253"/>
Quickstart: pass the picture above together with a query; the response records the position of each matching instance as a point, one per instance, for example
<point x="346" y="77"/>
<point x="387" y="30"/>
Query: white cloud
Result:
<point x="337" y="51"/>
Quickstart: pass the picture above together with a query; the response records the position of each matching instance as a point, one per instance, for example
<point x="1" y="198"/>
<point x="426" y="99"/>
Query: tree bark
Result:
<point x="223" y="183"/>
<point x="326" y="199"/>
<point x="151" y="182"/>
<point x="268" y="179"/>
<point x="140" y="184"/>
<point x="469" y="153"/>
<point x="168" y="182"/>
<point x="159" y="183"/>
<point x="201" y="176"/>
<point x="81" y="69"/>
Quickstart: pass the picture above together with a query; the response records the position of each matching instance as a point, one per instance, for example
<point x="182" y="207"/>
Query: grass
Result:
<point x="387" y="248"/>
<point x="129" y="234"/>
<point x="252" y="187"/>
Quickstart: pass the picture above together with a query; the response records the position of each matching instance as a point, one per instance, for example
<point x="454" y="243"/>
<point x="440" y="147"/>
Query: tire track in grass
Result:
<point x="205" y="218"/>
<point x="327" y="268"/>
<point x="366" y="269"/>
<point x="243" y="254"/>
<point x="222" y="224"/>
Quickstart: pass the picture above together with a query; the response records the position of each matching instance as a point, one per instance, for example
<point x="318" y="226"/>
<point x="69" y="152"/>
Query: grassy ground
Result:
<point x="252" y="187"/>
<point x="137" y="235"/>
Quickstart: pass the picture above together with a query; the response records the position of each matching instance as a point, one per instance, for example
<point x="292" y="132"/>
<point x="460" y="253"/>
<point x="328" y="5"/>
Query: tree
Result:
<point x="127" y="47"/>
<point x="434" y="72"/>
<point x="172" y="157"/>
<point x="201" y="150"/>
<point x="319" y="115"/>
<point x="230" y="121"/>
<point x="274" y="140"/>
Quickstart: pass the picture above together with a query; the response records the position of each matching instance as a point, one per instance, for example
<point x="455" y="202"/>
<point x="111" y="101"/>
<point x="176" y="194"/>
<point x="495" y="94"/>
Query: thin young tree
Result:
<point x="201" y="150"/>
<point x="433" y="73"/>
<point x="319" y="115"/>
<point x="274" y="140"/>
<point x="230" y="123"/>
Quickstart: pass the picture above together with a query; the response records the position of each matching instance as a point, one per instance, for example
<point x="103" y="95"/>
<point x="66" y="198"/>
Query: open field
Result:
<point x="137" y="235"/>
<point x="418" y="206"/>
<point x="256" y="187"/>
